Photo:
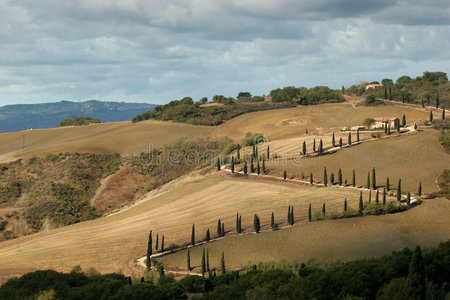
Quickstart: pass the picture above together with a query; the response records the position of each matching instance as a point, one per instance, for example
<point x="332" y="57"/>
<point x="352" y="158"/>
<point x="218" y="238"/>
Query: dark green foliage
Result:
<point x="222" y="264"/>
<point x="404" y="121"/>
<point x="157" y="241"/>
<point x="361" y="204"/>
<point x="387" y="184"/>
<point x="193" y="235"/>
<point x="289" y="215"/>
<point x="368" y="181"/>
<point x="264" y="166"/>
<point x="245" y="167"/>
<point x="268" y="152"/>
<point x="314" y="145"/>
<point x="320" y="147"/>
<point x="325" y="176"/>
<point x="384" y="197"/>
<point x="333" y="141"/>
<point x="438" y="102"/>
<point x="311" y="179"/>
<point x="258" y="168"/>
<point x="345" y="205"/>
<point x="218" y="164"/>
<point x="78" y="121"/>
<point x="284" y="175"/>
<point x="357" y="136"/>
<point x="377" y="198"/>
<point x="305" y="96"/>
<point x="162" y="244"/>
<point x="304" y="148"/>
<point x="207" y="261"/>
<point x="353" y="178"/>
<point x="385" y="93"/>
<point x="238" y="152"/>
<point x="149" y="250"/>
<point x="340" y="176"/>
<point x="203" y="264"/>
<point x="416" y="276"/>
<point x="408" y="199"/>
<point x="370" y="196"/>
<point x="332" y="178"/>
<point x="420" y="189"/>
<point x="443" y="113"/>
<point x="374" y="179"/>
<point x="223" y="229"/>
<point x="207" y="235"/>
<point x="256" y="224"/>
<point x="431" y="116"/>
<point x="232" y="166"/>
<point x="272" y="221"/>
<point x="252" y="167"/>
<point x="309" y="213"/>
<point x="349" y="138"/>
<point x="219" y="228"/>
<point x="238" y="223"/>
<point x="292" y="216"/>
<point x="340" y="142"/>
<point x="188" y="260"/>
<point x="399" y="190"/>
<point x="323" y="210"/>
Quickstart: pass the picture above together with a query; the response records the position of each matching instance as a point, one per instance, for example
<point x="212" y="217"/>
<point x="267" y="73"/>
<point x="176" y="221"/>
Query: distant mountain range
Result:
<point x="47" y="115"/>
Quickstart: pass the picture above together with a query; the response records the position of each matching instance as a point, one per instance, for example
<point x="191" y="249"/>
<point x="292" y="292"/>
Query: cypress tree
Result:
<point x="399" y="190"/>
<point x="223" y="229"/>
<point x="340" y="142"/>
<point x="408" y="199"/>
<point x="390" y="93"/>
<point x="387" y="184"/>
<point x="398" y="126"/>
<point x="345" y="204"/>
<point x="385" y="130"/>
<point x="377" y="198"/>
<point x="232" y="166"/>
<point x="207" y="236"/>
<point x="193" y="235"/>
<point x="389" y="130"/>
<point x="404" y="121"/>
<point x="252" y="167"/>
<point x="349" y="138"/>
<point x="357" y="136"/>
<point x="323" y="210"/>
<point x="339" y="176"/>
<point x="272" y="221"/>
<point x="207" y="261"/>
<point x="237" y="223"/>
<point x="325" y="176"/>
<point x="218" y="164"/>
<point x="219" y="228"/>
<point x="320" y="147"/>
<point x="238" y="152"/>
<point x="332" y="178"/>
<point x="342" y="90"/>
<point x="368" y="180"/>
<point x="384" y="197"/>
<point x="256" y="224"/>
<point x="374" y="179"/>
<point x="245" y="167"/>
<point x="333" y="142"/>
<point x="304" y="148"/>
<point x="292" y="215"/>
<point x="416" y="276"/>
<point x="437" y="101"/>
<point x="264" y="166"/>
<point x="258" y="168"/>
<point x="253" y="151"/>
<point x="149" y="250"/>
<point x="256" y="152"/>
<point x="314" y="145"/>
<point x="268" y="152"/>
<point x="370" y="196"/>
<point x="431" y="116"/>
<point x="354" y="178"/>
<point x="385" y="93"/>
<point x="222" y="264"/>
<point x="309" y="213"/>
<point x="420" y="189"/>
<point x="289" y="215"/>
<point x="361" y="205"/>
<point x="284" y="175"/>
<point x="162" y="243"/>
<point x="203" y="262"/>
<point x="240" y="224"/>
<point x="443" y="113"/>
<point x="311" y="179"/>
<point x="188" y="262"/>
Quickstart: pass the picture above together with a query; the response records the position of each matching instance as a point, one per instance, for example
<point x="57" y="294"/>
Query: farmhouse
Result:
<point x="372" y="86"/>
<point x="382" y="122"/>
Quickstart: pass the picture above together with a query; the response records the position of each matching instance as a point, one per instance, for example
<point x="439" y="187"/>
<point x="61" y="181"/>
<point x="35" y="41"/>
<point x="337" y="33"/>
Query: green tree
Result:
<point x="232" y="166"/>
<point x="399" y="190"/>
<point x="431" y="116"/>
<point x="252" y="167"/>
<point x="219" y="228"/>
<point x="416" y="276"/>
<point x="284" y="175"/>
<point x="404" y="121"/>
<point x="193" y="235"/>
<point x="325" y="176"/>
<point x="320" y="147"/>
<point x="311" y="179"/>
<point x="238" y="152"/>
<point x="272" y="221"/>
<point x="437" y="101"/>
<point x="340" y="176"/>
<point x="268" y="152"/>
<point x="162" y="243"/>
<point x="256" y="224"/>
<point x="264" y="166"/>
<point x="207" y="261"/>
<point x="345" y="204"/>
<point x="258" y="168"/>
<point x="377" y="198"/>
<point x="157" y="242"/>
<point x="314" y="145"/>
<point x="222" y="264"/>
<point x="368" y="180"/>
<point x="361" y="205"/>
<point x="289" y="215"/>
<point x="218" y="164"/>
<point x="357" y="136"/>
<point x="333" y="142"/>
<point x="385" y="93"/>
<point x="387" y="184"/>
<point x="292" y="215"/>
<point x="237" y="223"/>
<point x="223" y="229"/>
<point x="203" y="265"/>
<point x="149" y="250"/>
<point x="384" y="197"/>
<point x="309" y="213"/>
<point x="374" y="179"/>
<point x="188" y="263"/>
<point x="342" y="90"/>
<point x="353" y="178"/>
<point x="420" y="189"/>
<point x="207" y="235"/>
<point x="349" y="138"/>
<point x="245" y="167"/>
<point x="390" y="93"/>
<point x="408" y="199"/>
<point x="332" y="178"/>
<point x="370" y="196"/>
<point x="340" y="142"/>
<point x="304" y="148"/>
<point x="323" y="210"/>
<point x="443" y="113"/>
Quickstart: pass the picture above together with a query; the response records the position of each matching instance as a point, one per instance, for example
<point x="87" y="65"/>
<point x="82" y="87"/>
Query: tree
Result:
<point x="232" y="166"/>
<point x="149" y="250"/>
<point x="325" y="176"/>
<point x="320" y="147"/>
<point x="368" y="180"/>
<point x="258" y="168"/>
<point x="390" y="93"/>
<point x="437" y="101"/>
<point x="340" y="142"/>
<point x="238" y="152"/>
<point x="370" y="196"/>
<point x="245" y="167"/>
<point x="264" y="166"/>
<point x="218" y="164"/>
<point x="253" y="151"/>
<point x="188" y="263"/>
<point x="207" y="236"/>
<point x="256" y="224"/>
<point x="244" y="95"/>
<point x="223" y="229"/>
<point x="431" y="116"/>
<point x="219" y="228"/>
<point x="443" y="113"/>
<point x="384" y="197"/>
<point x="353" y="178"/>
<point x="339" y="176"/>
<point x="361" y="205"/>
<point x="284" y="175"/>
<point x="193" y="235"/>
<point x="399" y="190"/>
<point x="342" y="90"/>
<point x="311" y="179"/>
<point x="387" y="82"/>
<point x="252" y="167"/>
<point x="332" y="178"/>
<point x="207" y="261"/>
<point x="349" y="138"/>
<point x="420" y="189"/>
<point x="289" y="215"/>
<point x="368" y="122"/>
<point x="408" y="198"/>
<point x="292" y="215"/>
<point x="304" y="148"/>
<point x="377" y="198"/>
<point x="357" y="136"/>
<point x="222" y="264"/>
<point x="203" y="265"/>
<point x="333" y="140"/>
<point x="162" y="244"/>
<point x="370" y="99"/>
<point x="268" y="152"/>
<point x="240" y="224"/>
<point x="314" y="145"/>
<point x="323" y="210"/>
<point x="387" y="184"/>
<point x="272" y="221"/>
<point x="309" y="213"/>
<point x="374" y="179"/>
<point x="157" y="242"/>
<point x="345" y="204"/>
<point x="416" y="276"/>
<point x="404" y="121"/>
<point x="237" y="223"/>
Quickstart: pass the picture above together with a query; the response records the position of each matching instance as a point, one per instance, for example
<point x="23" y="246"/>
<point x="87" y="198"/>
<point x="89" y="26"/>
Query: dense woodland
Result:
<point x="78" y="121"/>
<point x="402" y="275"/>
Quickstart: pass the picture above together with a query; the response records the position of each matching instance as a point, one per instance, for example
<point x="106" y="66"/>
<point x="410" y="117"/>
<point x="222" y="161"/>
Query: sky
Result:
<point x="160" y="50"/>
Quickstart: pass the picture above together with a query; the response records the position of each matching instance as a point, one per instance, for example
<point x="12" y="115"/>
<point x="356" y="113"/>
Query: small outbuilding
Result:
<point x="383" y="122"/>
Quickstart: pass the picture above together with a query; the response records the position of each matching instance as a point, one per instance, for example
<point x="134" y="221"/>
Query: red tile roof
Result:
<point x="385" y="119"/>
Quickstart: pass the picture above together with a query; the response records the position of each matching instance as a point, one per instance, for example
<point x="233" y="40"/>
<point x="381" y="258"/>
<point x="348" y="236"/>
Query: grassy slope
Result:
<point x="413" y="158"/>
<point x="125" y="137"/>
<point x="110" y="243"/>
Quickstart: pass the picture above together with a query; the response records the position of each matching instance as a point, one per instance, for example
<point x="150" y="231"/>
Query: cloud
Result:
<point x="156" y="51"/>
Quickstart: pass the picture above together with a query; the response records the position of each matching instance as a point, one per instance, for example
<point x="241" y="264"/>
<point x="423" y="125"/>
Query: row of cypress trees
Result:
<point x="205" y="268"/>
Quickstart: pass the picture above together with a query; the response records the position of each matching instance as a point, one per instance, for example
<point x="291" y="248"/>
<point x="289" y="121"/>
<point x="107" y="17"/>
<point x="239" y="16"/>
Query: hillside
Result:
<point x="48" y="115"/>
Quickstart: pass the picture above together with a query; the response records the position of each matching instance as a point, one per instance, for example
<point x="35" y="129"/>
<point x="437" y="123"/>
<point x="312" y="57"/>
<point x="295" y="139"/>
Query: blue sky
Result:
<point x="156" y="51"/>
